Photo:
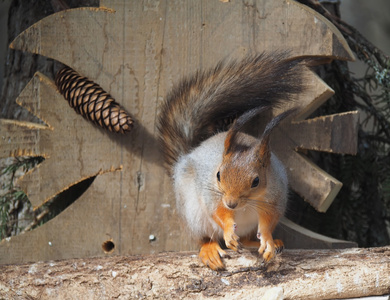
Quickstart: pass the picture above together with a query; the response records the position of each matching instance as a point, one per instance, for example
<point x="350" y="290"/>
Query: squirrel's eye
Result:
<point x="219" y="176"/>
<point x="255" y="182"/>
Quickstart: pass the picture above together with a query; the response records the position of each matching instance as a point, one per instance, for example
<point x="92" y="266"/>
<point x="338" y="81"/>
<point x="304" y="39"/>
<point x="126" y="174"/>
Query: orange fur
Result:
<point x="210" y="254"/>
<point x="224" y="217"/>
<point x="248" y="243"/>
<point x="267" y="223"/>
<point x="210" y="251"/>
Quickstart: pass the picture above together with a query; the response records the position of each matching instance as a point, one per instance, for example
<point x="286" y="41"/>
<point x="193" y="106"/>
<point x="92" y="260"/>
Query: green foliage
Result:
<point x="13" y="199"/>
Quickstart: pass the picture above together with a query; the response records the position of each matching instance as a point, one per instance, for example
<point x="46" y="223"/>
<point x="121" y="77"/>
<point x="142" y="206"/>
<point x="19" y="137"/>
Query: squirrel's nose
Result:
<point x="232" y="205"/>
<point x="230" y="201"/>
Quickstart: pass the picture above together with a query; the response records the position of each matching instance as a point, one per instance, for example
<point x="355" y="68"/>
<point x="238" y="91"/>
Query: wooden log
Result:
<point x="295" y="274"/>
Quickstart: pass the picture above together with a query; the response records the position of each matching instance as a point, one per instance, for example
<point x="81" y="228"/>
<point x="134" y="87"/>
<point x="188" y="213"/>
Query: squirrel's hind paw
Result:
<point x="210" y="254"/>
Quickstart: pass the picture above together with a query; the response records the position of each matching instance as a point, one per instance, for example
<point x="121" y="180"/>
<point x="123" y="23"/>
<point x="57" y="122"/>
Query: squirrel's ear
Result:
<point x="264" y="152"/>
<point x="230" y="140"/>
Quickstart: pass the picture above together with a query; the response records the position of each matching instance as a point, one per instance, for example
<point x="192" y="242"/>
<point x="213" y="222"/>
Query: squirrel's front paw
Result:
<point x="210" y="254"/>
<point x="269" y="247"/>
<point x="231" y="239"/>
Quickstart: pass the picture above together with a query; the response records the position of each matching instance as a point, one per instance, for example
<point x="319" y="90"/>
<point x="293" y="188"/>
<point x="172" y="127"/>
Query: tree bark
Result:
<point x="295" y="274"/>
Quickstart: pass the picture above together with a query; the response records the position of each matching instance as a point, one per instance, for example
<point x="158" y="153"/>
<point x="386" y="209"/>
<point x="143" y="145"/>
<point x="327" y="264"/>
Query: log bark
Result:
<point x="295" y="274"/>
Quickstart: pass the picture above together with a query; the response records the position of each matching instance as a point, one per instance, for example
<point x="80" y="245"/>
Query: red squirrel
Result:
<point x="228" y="184"/>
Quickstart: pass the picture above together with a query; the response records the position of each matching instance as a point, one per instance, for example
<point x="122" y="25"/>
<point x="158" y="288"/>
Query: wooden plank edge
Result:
<point x="34" y="84"/>
<point x="35" y="201"/>
<point x="298" y="237"/>
<point x="19" y="42"/>
<point x="340" y="142"/>
<point x="341" y="49"/>
<point x="327" y="187"/>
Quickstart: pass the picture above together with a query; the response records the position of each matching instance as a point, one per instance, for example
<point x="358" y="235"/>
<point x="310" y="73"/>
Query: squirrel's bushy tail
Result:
<point x="228" y="90"/>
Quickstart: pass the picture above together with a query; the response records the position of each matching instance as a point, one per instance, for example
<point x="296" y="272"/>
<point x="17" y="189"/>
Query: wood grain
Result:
<point x="136" y="51"/>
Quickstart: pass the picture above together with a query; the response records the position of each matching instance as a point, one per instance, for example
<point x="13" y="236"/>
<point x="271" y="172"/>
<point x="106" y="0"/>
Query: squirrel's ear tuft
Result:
<point x="230" y="140"/>
<point x="264" y="152"/>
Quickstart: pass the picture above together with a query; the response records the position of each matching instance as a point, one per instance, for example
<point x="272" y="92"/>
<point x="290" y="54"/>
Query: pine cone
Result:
<point x="92" y="102"/>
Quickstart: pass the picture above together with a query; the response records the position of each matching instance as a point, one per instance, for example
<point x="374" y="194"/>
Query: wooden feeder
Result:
<point x="136" y="51"/>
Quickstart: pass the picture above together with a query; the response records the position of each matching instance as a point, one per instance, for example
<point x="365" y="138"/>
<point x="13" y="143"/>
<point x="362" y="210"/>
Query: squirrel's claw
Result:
<point x="268" y="255"/>
<point x="270" y="248"/>
<point x="210" y="254"/>
<point x="232" y="240"/>
<point x="279" y="246"/>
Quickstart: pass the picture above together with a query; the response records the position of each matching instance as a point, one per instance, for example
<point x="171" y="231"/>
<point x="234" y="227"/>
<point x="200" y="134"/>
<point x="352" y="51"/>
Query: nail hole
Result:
<point x="108" y="246"/>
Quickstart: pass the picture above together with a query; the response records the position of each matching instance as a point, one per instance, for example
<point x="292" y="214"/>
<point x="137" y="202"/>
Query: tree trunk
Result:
<point x="295" y="274"/>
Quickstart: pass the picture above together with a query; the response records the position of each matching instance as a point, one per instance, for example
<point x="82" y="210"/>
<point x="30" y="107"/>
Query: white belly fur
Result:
<point x="246" y="220"/>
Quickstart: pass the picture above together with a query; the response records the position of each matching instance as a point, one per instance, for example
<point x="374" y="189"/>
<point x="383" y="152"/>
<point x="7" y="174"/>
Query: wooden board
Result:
<point x="136" y="51"/>
<point x="298" y="237"/>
